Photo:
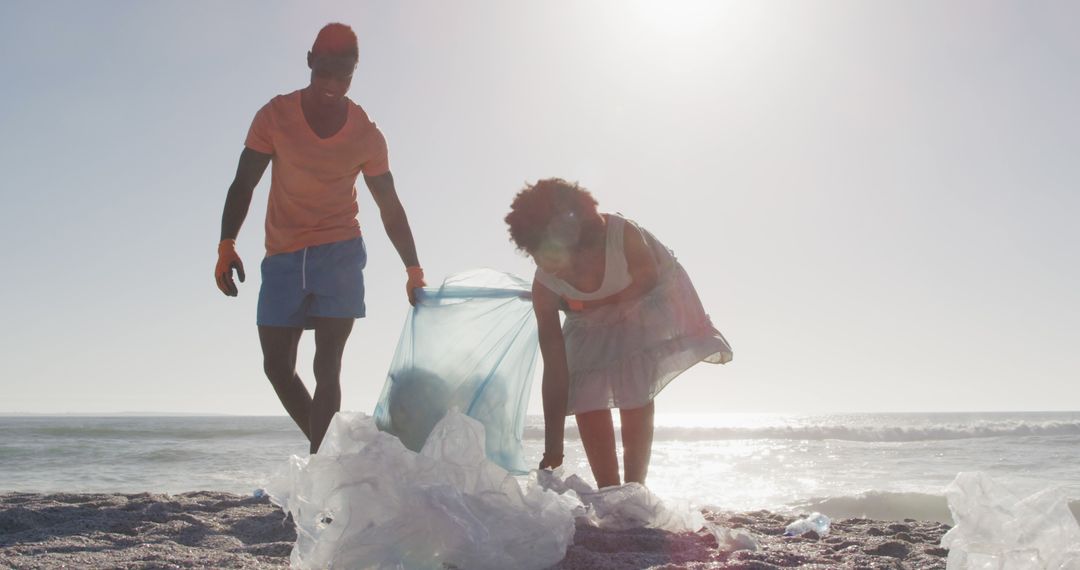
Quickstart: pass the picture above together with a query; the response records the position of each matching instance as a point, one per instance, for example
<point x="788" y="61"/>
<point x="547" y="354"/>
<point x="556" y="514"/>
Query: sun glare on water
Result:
<point x="723" y="420"/>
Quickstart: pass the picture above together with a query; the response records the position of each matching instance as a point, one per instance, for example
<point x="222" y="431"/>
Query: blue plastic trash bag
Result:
<point x="470" y="344"/>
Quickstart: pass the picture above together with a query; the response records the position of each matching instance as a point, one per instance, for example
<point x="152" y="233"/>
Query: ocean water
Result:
<point x="888" y="466"/>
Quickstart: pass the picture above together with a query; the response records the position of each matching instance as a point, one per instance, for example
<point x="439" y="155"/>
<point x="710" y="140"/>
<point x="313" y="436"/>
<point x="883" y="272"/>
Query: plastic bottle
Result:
<point x="816" y="522"/>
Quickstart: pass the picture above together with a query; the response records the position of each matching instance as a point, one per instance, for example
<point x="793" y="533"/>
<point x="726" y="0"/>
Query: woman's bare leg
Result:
<point x="637" y="436"/>
<point x="598" y="438"/>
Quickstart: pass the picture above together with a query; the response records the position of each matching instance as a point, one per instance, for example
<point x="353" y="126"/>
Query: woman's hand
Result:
<point x="551" y="461"/>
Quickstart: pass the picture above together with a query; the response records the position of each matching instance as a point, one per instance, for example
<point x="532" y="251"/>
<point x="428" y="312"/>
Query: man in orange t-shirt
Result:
<point x="319" y="142"/>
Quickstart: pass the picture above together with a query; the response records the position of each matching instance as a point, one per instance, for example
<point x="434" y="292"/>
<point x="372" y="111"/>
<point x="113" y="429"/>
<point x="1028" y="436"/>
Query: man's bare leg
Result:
<point x="330" y="337"/>
<point x="279" y="362"/>
<point x="637" y="438"/>
<point x="598" y="437"/>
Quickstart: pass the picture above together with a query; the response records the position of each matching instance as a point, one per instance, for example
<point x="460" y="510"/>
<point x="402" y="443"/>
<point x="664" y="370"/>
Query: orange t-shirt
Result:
<point x="313" y="181"/>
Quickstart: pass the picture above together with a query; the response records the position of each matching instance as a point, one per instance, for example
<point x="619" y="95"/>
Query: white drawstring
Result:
<point x="303" y="271"/>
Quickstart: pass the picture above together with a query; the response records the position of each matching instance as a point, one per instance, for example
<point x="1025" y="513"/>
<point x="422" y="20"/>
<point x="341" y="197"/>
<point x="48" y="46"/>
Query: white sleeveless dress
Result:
<point x="622" y="354"/>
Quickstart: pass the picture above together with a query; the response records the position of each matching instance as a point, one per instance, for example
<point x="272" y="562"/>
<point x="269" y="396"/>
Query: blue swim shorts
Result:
<point x="319" y="281"/>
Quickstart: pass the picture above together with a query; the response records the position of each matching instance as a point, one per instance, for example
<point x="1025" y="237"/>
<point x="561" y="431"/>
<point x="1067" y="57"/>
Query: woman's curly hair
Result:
<point x="537" y="205"/>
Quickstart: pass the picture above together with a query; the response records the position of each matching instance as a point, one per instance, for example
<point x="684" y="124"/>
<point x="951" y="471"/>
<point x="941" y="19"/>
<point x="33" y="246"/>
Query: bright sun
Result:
<point x="677" y="17"/>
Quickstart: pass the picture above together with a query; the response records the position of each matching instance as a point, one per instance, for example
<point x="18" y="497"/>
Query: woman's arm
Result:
<point x="556" y="380"/>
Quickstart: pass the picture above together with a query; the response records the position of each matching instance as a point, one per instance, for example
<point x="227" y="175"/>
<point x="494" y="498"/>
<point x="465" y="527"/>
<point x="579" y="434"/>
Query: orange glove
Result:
<point x="416" y="280"/>
<point x="228" y="260"/>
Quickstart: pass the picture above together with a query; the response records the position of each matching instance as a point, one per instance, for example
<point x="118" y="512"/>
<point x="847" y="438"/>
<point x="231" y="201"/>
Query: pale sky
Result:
<point x="877" y="201"/>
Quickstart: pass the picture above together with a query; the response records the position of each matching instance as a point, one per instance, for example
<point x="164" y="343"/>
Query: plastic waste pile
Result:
<point x="815" y="521"/>
<point x="633" y="506"/>
<point x="471" y="344"/>
<point x="997" y="530"/>
<point x="366" y="501"/>
<point x="620" y="507"/>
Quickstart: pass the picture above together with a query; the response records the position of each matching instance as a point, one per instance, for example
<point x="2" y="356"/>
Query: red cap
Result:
<point x="336" y="39"/>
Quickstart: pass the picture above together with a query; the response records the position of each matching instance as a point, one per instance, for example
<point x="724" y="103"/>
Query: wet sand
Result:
<point x="221" y="530"/>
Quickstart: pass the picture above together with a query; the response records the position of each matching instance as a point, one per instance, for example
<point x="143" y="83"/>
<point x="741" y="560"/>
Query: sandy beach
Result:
<point x="222" y="530"/>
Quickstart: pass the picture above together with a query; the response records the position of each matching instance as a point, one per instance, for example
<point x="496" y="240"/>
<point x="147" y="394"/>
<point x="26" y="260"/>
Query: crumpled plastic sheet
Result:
<point x="366" y="501"/>
<point x="997" y="530"/>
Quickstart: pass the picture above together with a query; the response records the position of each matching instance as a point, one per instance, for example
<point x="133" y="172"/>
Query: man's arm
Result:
<point x="248" y="173"/>
<point x="396" y="224"/>
<point x="556" y="380"/>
